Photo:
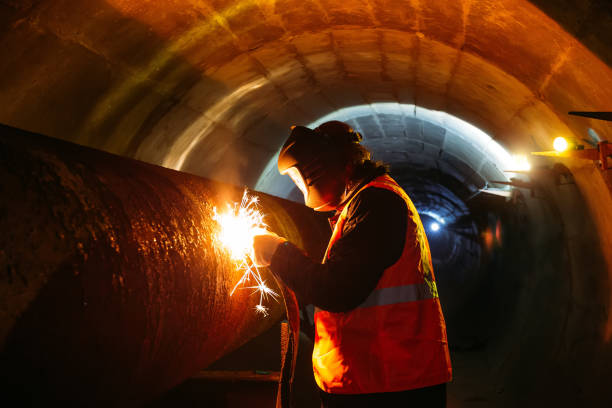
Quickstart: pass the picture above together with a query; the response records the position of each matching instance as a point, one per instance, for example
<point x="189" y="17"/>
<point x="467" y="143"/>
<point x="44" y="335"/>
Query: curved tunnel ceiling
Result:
<point x="170" y="82"/>
<point x="311" y="74"/>
<point x="325" y="61"/>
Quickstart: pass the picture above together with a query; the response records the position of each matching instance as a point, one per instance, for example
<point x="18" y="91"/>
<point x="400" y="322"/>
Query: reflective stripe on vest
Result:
<point x="401" y="294"/>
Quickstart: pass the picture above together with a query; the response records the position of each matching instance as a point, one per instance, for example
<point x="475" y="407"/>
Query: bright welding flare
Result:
<point x="262" y="309"/>
<point x="238" y="225"/>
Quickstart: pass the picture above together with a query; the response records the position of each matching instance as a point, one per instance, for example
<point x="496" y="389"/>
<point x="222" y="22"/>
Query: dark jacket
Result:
<point x="372" y="240"/>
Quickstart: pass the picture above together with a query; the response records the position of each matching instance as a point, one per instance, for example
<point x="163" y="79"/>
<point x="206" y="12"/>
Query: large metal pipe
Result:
<point x="112" y="287"/>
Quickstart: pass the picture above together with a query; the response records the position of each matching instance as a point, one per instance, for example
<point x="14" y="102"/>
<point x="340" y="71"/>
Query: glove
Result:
<point x="265" y="244"/>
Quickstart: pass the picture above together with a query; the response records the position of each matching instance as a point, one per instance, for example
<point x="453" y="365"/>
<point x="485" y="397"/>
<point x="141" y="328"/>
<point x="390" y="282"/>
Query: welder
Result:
<point x="380" y="336"/>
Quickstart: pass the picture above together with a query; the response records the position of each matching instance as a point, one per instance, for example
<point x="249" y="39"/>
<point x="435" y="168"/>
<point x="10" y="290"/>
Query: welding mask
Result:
<point x="317" y="162"/>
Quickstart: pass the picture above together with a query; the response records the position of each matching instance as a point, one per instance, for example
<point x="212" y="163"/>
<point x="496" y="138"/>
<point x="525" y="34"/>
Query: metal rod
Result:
<point x="594" y="115"/>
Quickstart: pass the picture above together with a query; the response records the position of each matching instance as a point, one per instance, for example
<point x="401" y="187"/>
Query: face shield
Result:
<point x="297" y="178"/>
<point x="321" y="192"/>
<point x="316" y="163"/>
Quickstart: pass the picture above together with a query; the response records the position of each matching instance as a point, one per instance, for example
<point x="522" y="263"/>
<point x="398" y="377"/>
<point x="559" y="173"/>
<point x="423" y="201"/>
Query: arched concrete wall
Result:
<point x="146" y="79"/>
<point x="212" y="87"/>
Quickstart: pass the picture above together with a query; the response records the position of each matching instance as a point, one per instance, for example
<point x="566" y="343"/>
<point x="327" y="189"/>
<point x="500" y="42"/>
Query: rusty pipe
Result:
<point x="112" y="287"/>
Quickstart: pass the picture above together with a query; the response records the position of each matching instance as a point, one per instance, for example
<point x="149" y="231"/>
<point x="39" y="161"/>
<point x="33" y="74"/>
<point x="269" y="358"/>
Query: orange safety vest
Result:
<point x="396" y="339"/>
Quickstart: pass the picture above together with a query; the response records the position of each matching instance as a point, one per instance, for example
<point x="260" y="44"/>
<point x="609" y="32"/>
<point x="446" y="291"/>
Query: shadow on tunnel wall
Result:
<point x="588" y="21"/>
<point x="99" y="90"/>
<point x="115" y="82"/>
<point x="113" y="77"/>
<point x="527" y="327"/>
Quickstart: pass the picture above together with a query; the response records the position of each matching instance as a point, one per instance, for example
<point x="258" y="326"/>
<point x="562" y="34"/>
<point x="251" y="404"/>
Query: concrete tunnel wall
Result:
<point x="211" y="87"/>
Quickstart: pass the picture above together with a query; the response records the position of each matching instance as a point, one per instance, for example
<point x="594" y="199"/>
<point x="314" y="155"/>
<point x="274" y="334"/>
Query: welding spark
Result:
<point x="238" y="224"/>
<point x="262" y="309"/>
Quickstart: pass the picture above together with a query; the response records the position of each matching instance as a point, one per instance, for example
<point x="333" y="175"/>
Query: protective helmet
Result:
<point x="317" y="160"/>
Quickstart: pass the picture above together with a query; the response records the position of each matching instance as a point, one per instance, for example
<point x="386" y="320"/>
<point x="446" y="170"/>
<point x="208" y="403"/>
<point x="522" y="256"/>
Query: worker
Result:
<point x="380" y="336"/>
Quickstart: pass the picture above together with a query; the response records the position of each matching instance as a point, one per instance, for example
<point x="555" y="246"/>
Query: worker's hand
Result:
<point x="264" y="246"/>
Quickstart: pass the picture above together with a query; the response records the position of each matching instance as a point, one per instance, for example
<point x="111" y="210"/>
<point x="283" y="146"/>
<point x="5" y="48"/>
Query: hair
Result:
<point x="342" y="142"/>
<point x="360" y="158"/>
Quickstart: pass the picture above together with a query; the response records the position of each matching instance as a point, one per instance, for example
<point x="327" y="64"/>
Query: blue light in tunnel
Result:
<point x="438" y="220"/>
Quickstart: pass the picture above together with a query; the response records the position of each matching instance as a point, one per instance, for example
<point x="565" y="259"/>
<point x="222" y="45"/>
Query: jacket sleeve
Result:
<point x="372" y="240"/>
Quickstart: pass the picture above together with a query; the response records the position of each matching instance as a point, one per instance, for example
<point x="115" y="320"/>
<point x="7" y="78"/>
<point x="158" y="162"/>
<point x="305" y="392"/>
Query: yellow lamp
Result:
<point x="560" y="144"/>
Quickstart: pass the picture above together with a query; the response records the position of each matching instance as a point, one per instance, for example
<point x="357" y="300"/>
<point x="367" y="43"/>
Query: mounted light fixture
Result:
<point x="599" y="152"/>
<point x="561" y="144"/>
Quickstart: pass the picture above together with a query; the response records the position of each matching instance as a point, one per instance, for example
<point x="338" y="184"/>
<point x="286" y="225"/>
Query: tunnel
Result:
<point x="146" y="103"/>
